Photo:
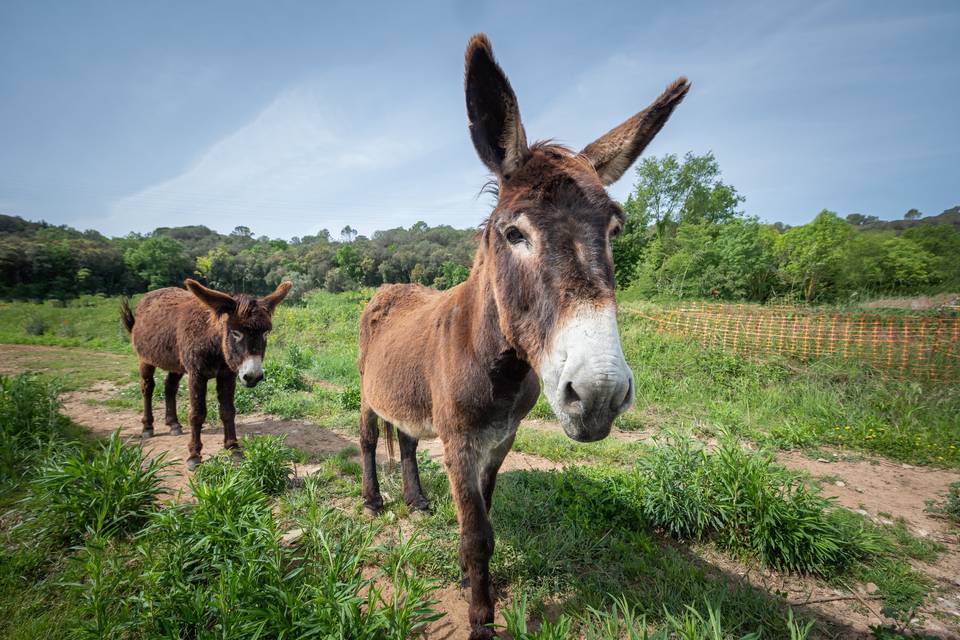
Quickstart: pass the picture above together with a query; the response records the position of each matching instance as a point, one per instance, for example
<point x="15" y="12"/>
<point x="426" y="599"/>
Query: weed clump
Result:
<point x="29" y="422"/>
<point x="267" y="464"/>
<point x="220" y="566"/>
<point x="749" y="505"/>
<point x="111" y="491"/>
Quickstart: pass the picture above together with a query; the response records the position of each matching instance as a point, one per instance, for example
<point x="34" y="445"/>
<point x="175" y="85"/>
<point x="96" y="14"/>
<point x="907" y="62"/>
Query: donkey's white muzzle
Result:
<point x="585" y="376"/>
<point x="251" y="370"/>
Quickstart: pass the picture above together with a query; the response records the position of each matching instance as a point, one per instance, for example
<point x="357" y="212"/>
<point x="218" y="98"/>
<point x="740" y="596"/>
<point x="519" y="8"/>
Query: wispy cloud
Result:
<point x="309" y="160"/>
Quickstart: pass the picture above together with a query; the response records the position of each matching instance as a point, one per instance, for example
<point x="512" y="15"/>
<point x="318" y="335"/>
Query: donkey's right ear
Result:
<point x="218" y="301"/>
<point x="492" y="110"/>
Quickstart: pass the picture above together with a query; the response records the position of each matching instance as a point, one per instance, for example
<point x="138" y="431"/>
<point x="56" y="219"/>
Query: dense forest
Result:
<point x="686" y="237"/>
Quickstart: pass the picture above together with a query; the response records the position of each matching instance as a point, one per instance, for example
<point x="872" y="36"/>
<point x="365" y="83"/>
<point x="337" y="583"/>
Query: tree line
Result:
<point x="686" y="236"/>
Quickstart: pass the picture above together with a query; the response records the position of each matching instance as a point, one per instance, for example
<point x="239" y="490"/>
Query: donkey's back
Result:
<point x="403" y="304"/>
<point x="162" y="316"/>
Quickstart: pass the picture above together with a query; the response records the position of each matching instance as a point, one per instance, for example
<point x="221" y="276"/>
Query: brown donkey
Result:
<point x="206" y="334"/>
<point x="464" y="364"/>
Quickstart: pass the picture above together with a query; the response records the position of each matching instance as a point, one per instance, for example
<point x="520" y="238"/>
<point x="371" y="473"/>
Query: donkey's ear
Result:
<point x="273" y="299"/>
<point x="219" y="301"/>
<point x="614" y="152"/>
<point x="492" y="109"/>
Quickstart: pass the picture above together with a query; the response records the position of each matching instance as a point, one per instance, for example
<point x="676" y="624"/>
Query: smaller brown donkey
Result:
<point x="206" y="334"/>
<point x="464" y="364"/>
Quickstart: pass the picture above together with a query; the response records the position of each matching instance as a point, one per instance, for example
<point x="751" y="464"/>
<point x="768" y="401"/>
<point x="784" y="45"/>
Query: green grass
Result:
<point x="778" y="401"/>
<point x="92" y="322"/>
<point x="619" y="530"/>
<point x="786" y="403"/>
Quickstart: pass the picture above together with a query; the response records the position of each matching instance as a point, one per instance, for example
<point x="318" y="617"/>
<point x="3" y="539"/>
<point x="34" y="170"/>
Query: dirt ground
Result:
<point x="879" y="489"/>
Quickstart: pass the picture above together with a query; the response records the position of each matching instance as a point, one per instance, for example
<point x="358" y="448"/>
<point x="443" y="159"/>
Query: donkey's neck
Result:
<point x="490" y="347"/>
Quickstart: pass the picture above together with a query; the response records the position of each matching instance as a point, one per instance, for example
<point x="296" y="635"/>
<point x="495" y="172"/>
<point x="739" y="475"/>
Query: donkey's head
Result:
<point x="243" y="323"/>
<point x="546" y="247"/>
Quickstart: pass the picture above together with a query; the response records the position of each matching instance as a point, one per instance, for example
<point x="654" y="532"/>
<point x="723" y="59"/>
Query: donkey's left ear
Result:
<point x="492" y="110"/>
<point x="273" y="299"/>
<point x="613" y="153"/>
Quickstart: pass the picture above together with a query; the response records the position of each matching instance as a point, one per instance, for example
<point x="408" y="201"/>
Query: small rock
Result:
<point x="290" y="537"/>
<point x="822" y="460"/>
<point x="840" y="483"/>
<point x="884" y="521"/>
<point x="862" y="512"/>
<point x="923" y="533"/>
<point x="871" y="588"/>
<point x="907" y="466"/>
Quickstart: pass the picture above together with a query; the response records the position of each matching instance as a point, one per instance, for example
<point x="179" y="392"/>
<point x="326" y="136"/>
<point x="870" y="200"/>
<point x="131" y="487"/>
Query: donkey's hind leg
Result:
<point x="170" y="389"/>
<point x="146" y="389"/>
<point x="369" y="432"/>
<point x="412" y="491"/>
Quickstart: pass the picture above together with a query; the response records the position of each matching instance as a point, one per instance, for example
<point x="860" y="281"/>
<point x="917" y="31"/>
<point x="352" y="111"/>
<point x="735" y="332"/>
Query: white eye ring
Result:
<point x="237" y="335"/>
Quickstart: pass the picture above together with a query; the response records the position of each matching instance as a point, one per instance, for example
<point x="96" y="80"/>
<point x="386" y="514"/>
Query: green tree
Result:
<point x="813" y="256"/>
<point x="159" y="261"/>
<point x="451" y="274"/>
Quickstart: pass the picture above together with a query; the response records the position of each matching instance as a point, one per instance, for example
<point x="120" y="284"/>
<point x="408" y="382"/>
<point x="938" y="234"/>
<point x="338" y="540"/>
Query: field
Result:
<point x="784" y="492"/>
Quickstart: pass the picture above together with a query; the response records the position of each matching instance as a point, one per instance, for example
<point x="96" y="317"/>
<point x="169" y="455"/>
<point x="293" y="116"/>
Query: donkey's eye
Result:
<point x="514" y="236"/>
<point x="615" y="231"/>
<point x="237" y="335"/>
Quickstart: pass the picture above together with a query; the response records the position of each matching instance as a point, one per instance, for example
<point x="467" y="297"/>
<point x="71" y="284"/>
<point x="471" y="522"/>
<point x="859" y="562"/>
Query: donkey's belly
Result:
<point x="419" y="429"/>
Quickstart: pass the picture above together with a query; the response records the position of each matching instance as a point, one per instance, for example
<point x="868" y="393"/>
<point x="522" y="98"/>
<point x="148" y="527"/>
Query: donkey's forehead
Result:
<point x="251" y="315"/>
<point x="554" y="182"/>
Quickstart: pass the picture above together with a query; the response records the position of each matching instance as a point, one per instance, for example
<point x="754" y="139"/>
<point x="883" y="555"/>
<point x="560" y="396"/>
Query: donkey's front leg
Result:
<point x="488" y="474"/>
<point x="476" y="533"/>
<point x="226" y="389"/>
<point x="198" y="413"/>
<point x="370" y="490"/>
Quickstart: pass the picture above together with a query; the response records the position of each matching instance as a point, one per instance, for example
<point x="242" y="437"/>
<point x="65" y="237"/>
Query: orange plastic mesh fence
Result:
<point x="905" y="346"/>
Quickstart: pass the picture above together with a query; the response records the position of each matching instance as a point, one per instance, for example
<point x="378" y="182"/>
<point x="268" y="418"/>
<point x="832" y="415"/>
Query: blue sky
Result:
<point x="289" y="117"/>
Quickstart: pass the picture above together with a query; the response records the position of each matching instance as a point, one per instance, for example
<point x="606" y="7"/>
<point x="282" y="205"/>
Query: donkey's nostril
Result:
<point x="571" y="399"/>
<point x="622" y="402"/>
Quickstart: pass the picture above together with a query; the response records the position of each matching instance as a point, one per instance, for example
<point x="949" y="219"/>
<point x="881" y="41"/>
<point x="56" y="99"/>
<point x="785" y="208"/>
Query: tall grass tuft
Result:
<point x="266" y="463"/>
<point x="108" y="492"/>
<point x="30" y="422"/>
<point x="750" y="505"/>
<point x="218" y="568"/>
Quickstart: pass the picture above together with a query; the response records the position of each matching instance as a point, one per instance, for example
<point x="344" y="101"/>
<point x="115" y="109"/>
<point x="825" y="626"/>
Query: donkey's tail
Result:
<point x="126" y="314"/>
<point x="388" y="436"/>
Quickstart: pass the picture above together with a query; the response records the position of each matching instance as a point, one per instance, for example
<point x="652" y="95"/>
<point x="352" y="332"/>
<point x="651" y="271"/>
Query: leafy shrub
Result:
<point x="109" y="492"/>
<point x="267" y="462"/>
<point x="36" y="326"/>
<point x="29" y="421"/>
<point x="280" y="375"/>
<point x="349" y="398"/>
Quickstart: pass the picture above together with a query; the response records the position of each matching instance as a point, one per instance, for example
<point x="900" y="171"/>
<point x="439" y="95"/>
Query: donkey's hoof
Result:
<point x="193" y="463"/>
<point x="419" y="513"/>
<point x="146" y="434"/>
<point x="482" y="633"/>
<point x="372" y="511"/>
<point x="236" y="454"/>
<point x="176" y="430"/>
